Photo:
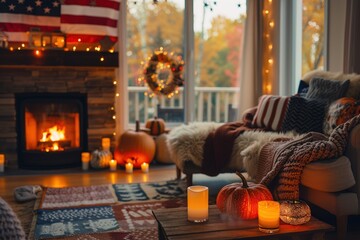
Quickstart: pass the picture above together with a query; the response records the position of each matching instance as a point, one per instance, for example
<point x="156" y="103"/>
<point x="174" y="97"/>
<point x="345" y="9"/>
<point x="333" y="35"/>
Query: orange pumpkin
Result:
<point x="136" y="147"/>
<point x="156" y="126"/>
<point x="241" y="199"/>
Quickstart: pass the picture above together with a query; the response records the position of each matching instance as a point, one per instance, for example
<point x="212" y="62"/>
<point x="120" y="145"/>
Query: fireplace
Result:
<point x="51" y="129"/>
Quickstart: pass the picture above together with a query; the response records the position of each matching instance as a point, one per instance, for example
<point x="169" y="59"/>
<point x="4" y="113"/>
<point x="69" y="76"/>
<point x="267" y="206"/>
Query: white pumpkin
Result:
<point x="162" y="153"/>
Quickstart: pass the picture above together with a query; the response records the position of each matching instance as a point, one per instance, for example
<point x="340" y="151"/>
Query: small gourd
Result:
<point x="156" y="126"/>
<point x="241" y="199"/>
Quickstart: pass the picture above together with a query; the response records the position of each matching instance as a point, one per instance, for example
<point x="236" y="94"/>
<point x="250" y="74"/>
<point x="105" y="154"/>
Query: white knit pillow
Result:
<point x="270" y="112"/>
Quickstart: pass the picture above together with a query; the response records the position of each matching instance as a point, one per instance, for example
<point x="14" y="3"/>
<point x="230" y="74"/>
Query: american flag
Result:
<point x="85" y="20"/>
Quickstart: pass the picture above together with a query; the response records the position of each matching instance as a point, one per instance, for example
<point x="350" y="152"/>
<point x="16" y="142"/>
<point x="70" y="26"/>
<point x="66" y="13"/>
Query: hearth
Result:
<point x="51" y="129"/>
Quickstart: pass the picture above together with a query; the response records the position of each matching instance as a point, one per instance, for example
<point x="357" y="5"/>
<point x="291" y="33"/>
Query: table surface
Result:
<point x="173" y="224"/>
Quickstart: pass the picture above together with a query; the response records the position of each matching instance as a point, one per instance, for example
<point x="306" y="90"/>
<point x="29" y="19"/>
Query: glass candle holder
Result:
<point x="268" y="216"/>
<point x="198" y="203"/>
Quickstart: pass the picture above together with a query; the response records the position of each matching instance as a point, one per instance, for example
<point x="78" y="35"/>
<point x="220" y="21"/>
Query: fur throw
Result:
<point x="186" y="143"/>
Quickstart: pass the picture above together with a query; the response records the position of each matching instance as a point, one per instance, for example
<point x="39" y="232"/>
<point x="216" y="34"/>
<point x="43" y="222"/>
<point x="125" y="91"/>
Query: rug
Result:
<point x="77" y="196"/>
<point x="150" y="191"/>
<point x="72" y="221"/>
<point x="135" y="220"/>
<point x="79" y="216"/>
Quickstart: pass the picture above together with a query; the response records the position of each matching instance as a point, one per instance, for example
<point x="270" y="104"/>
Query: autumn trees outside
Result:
<point x="217" y="44"/>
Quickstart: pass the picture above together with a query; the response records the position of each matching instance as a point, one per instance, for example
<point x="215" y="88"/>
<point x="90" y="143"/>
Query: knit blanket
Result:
<point x="281" y="163"/>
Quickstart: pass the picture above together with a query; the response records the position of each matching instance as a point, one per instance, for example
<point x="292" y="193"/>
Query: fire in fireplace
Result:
<point x="51" y="129"/>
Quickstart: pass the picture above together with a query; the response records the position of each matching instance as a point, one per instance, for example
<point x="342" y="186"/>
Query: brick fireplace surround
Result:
<point x="96" y="82"/>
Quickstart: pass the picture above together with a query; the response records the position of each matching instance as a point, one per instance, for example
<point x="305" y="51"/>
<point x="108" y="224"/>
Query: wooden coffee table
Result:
<point x="173" y="224"/>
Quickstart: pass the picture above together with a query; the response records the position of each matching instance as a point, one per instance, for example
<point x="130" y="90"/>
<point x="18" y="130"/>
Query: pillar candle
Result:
<point x="2" y="162"/>
<point x="268" y="216"/>
<point x="198" y="203"/>
<point x="129" y="167"/>
<point x="145" y="167"/>
<point x="85" y="159"/>
<point x="113" y="165"/>
<point x="105" y="143"/>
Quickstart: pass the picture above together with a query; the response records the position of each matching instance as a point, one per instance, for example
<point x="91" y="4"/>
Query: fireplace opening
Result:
<point x="51" y="129"/>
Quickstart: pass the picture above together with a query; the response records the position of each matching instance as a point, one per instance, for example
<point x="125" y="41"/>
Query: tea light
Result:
<point x="145" y="167"/>
<point x="129" y="167"/>
<point x="198" y="203"/>
<point x="269" y="215"/>
<point x="105" y="143"/>
<point x="2" y="162"/>
<point x="85" y="159"/>
<point x="113" y="165"/>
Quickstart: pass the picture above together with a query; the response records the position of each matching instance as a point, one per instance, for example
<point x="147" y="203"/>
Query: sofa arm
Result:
<point x="353" y="153"/>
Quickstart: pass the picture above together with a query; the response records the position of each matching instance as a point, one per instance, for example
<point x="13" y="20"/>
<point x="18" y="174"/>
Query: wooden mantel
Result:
<point x="58" y="58"/>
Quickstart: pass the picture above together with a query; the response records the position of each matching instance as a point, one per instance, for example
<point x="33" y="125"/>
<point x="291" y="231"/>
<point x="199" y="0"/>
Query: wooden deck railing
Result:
<point x="211" y="103"/>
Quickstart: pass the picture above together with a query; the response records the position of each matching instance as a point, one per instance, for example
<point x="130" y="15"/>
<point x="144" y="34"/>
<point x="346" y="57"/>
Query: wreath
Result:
<point x="163" y="74"/>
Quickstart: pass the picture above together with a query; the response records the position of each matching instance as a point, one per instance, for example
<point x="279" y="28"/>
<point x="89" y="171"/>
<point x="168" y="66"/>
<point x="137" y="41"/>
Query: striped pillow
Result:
<point x="270" y="112"/>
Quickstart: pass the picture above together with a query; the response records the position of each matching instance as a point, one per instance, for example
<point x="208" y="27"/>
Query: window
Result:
<point x="218" y="29"/>
<point x="313" y="36"/>
<point x="152" y="26"/>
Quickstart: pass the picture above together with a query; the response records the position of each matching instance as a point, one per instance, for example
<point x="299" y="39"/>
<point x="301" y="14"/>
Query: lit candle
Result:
<point x="129" y="167"/>
<point x="113" y="165"/>
<point x="105" y="143"/>
<point x="145" y="167"/>
<point x="198" y="203"/>
<point x="2" y="162"/>
<point x="268" y="216"/>
<point x="85" y="159"/>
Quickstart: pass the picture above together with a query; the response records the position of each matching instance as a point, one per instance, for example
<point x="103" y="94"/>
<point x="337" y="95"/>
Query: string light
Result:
<point x="268" y="60"/>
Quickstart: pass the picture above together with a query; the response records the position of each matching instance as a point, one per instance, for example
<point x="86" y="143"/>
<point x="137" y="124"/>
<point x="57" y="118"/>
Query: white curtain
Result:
<point x="250" y="76"/>
<point x="352" y="37"/>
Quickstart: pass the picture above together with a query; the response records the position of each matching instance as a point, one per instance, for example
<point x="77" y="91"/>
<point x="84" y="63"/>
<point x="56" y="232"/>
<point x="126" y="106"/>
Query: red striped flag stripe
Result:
<point x="72" y="19"/>
<point x="103" y="3"/>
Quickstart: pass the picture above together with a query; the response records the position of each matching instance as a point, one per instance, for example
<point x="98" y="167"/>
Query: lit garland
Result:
<point x="163" y="74"/>
<point x="268" y="55"/>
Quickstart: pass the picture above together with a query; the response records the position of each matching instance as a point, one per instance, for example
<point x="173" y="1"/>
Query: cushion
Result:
<point x="339" y="112"/>
<point x="331" y="175"/>
<point x="303" y="88"/>
<point x="270" y="112"/>
<point x="304" y="115"/>
<point x="354" y="88"/>
<point x="327" y="90"/>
